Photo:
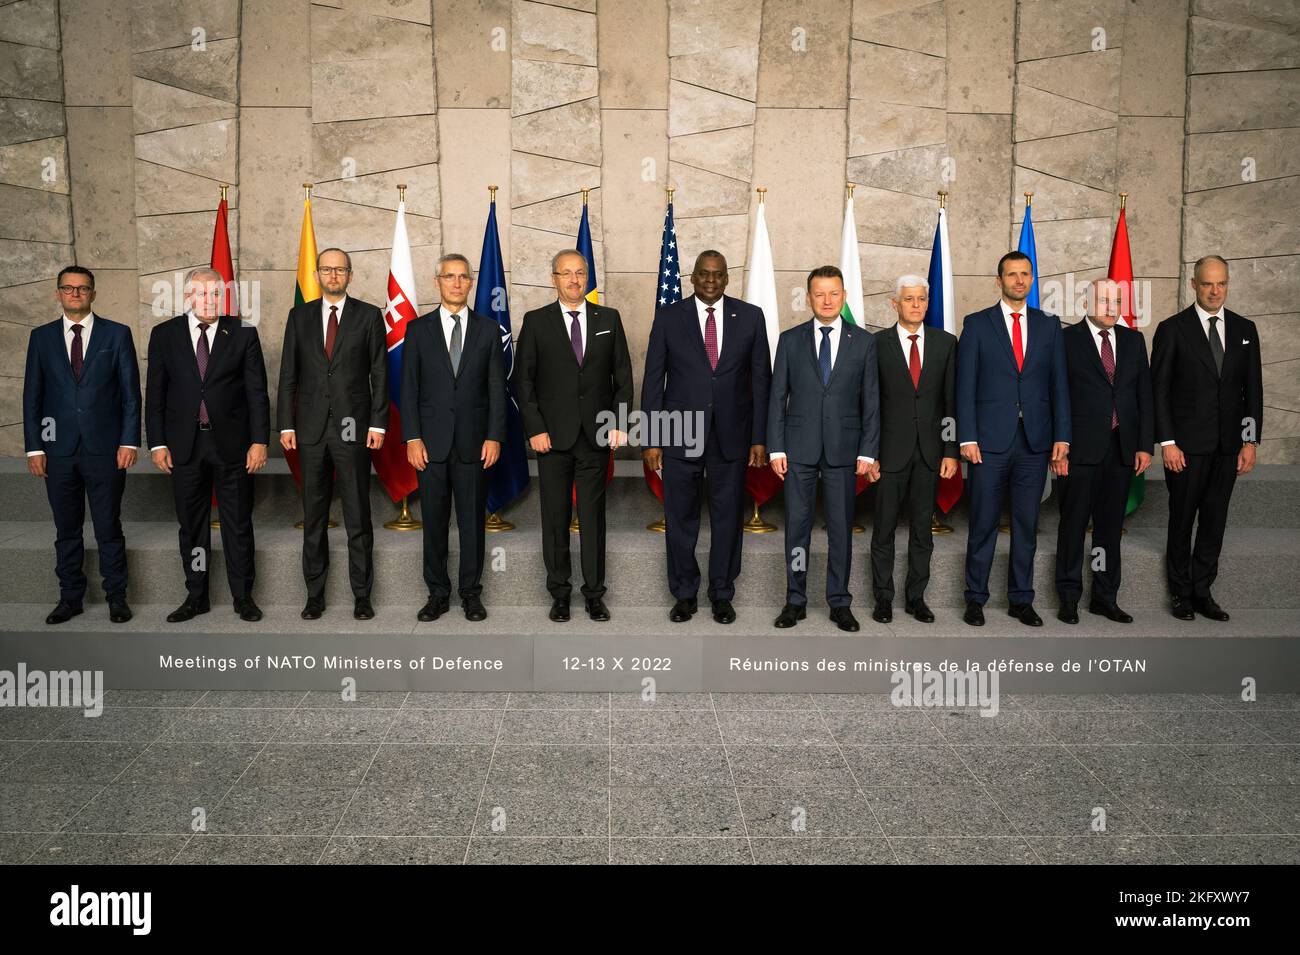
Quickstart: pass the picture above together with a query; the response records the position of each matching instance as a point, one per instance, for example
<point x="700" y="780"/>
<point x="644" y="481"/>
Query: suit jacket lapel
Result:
<point x="562" y="328"/>
<point x="92" y="347"/>
<point x="440" y="341"/>
<point x="1231" y="339"/>
<point x="316" y="328"/>
<point x="846" y="336"/>
<point x="1094" y="356"/>
<point x="347" y="318"/>
<point x="1200" y="341"/>
<point x="472" y="324"/>
<point x="1000" y="329"/>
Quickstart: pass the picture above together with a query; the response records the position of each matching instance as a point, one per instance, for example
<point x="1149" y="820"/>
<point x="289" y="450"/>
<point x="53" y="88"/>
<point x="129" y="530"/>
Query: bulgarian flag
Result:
<point x="760" y="290"/>
<point x="853" y="310"/>
<point x="1121" y="271"/>
<point x="305" y="289"/>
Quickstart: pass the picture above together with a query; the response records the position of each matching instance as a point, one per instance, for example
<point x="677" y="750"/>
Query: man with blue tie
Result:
<point x="1013" y="408"/>
<point x="81" y="428"/>
<point x="823" y="419"/>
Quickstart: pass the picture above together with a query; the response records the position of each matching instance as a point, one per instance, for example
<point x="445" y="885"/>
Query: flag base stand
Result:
<point x="404" y="521"/>
<point x="330" y="524"/>
<point x="937" y="526"/>
<point x="495" y="524"/>
<point x="659" y="526"/>
<point x="756" y="524"/>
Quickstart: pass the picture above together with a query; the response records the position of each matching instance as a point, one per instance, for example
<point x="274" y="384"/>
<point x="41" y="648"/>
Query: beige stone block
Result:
<point x="1252" y="219"/>
<point x="35" y="215"/>
<point x="339" y="36"/>
<point x="272" y="68"/>
<point x="883" y="264"/>
<point x="633" y="294"/>
<point x="475" y="155"/>
<point x="160" y="190"/>
<point x="13" y="352"/>
<point x="1220" y="102"/>
<point x="525" y="298"/>
<point x="1087" y="158"/>
<point x="212" y="71"/>
<point x="363" y="228"/>
<point x="473" y="65"/>
<point x="1279" y="339"/>
<point x="633" y="40"/>
<point x="158" y="106"/>
<point x="1155" y="299"/>
<point x="884" y="127"/>
<point x="1279" y="450"/>
<point x="266" y="307"/>
<point x="208" y="149"/>
<point x="697" y="26"/>
<point x="561" y="216"/>
<point x="362" y="147"/>
<point x="162" y="24"/>
<point x="1072" y="245"/>
<point x="1263" y="286"/>
<point x="692" y="109"/>
<point x="1153" y="76"/>
<point x="1041" y="115"/>
<point x="1057" y="27"/>
<point x="979" y="207"/>
<point x="31" y="22"/>
<point x="415" y="11"/>
<point x="370" y="274"/>
<point x="728" y="234"/>
<point x="917" y="171"/>
<point x="105" y="78"/>
<point x="981" y="55"/>
<point x="1218" y="46"/>
<point x="894" y="218"/>
<point x="273" y="165"/>
<point x="22" y="120"/>
<point x="115" y="298"/>
<point x="1091" y="78"/>
<point x="542" y="31"/>
<point x="32" y="304"/>
<point x="1227" y="159"/>
<point x="103" y="190"/>
<point x="540" y="85"/>
<point x="732" y="70"/>
<point x="567" y="132"/>
<point x="11" y="405"/>
<point x="380" y="190"/>
<point x="633" y="207"/>
<point x="179" y="242"/>
<point x="30" y="72"/>
<point x="22" y="262"/>
<point x="538" y="178"/>
<point x="882" y="74"/>
<point x="1278" y="14"/>
<point x="531" y="251"/>
<point x="921" y="27"/>
<point x="1061" y="199"/>
<point x="1282" y="387"/>
<point x="728" y="152"/>
<point x="1150" y="164"/>
<point x="974" y="293"/>
<point x="701" y="193"/>
<point x="40" y="164"/>
<point x="359" y="89"/>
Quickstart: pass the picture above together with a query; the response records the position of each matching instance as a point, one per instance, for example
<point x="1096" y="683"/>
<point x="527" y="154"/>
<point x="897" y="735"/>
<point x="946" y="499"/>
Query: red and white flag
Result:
<point x="395" y="472"/>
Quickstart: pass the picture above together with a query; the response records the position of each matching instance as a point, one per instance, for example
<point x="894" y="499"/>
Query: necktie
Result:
<point x="711" y="338"/>
<point x="1108" y="365"/>
<point x="455" y="344"/>
<point x="575" y="337"/>
<point x="77" y="359"/>
<point x="914" y="363"/>
<point x="331" y="331"/>
<point x="201" y="354"/>
<point x="824" y="356"/>
<point x="1017" y="342"/>
<point x="1216" y="346"/>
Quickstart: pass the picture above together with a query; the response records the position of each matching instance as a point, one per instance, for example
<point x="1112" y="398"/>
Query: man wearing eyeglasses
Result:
<point x="81" y="428"/>
<point x="333" y="409"/>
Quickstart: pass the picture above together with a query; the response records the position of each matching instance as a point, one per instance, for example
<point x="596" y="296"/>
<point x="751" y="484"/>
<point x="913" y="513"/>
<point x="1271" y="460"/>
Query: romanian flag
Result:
<point x="584" y="246"/>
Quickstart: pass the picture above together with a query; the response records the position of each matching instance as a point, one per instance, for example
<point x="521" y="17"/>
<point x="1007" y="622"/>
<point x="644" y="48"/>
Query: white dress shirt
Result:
<point x="448" y="325"/>
<point x="1023" y="312"/>
<point x="836" y="327"/>
<point x="704" y="318"/>
<point x="906" y="342"/>
<point x="325" y="307"/>
<point x="582" y="321"/>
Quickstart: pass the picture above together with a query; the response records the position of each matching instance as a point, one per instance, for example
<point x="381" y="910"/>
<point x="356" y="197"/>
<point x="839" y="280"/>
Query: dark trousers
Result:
<point x="69" y="481"/>
<point x="192" y="485"/>
<point x="1097" y="493"/>
<point x="328" y="465"/>
<point x="911" y="487"/>
<point x="683" y="480"/>
<point x="1024" y="471"/>
<point x="1199" y="494"/>
<point x="581" y="468"/>
<point x="839" y="487"/>
<point x="465" y="483"/>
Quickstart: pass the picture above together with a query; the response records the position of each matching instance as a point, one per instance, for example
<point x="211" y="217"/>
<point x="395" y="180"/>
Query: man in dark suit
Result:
<point x="81" y="429"/>
<point x="823" y="418"/>
<point x="209" y="420"/>
<point x="918" y="421"/>
<point x="573" y="378"/>
<point x="1112" y="427"/>
<point x="1209" y="399"/>
<point x="1013" y="408"/>
<point x="454" y="393"/>
<point x="707" y="359"/>
<point x="333" y="408"/>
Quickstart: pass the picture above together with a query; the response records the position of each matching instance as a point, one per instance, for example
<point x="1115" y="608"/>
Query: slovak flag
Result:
<point x="395" y="472"/>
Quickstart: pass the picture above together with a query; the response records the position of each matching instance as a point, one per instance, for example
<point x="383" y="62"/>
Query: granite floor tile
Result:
<point x="726" y="702"/>
<point x="1030" y="768"/>
<point x="664" y="727"/>
<point x="1006" y="728"/>
<point x="817" y="766"/>
<point x="337" y="725"/>
<point x="829" y="851"/>
<point x="207" y="765"/>
<point x="121" y="724"/>
<point x="681" y="851"/>
<point x="319" y="765"/>
<point x="878" y="728"/>
<point x="1071" y="811"/>
<point x="1281" y="804"/>
<point x="41" y="807"/>
<point x="211" y="849"/>
<point x="554" y="811"/>
<point x="17" y="847"/>
<point x="1248" y="764"/>
<point x="124" y="808"/>
<point x="395" y="850"/>
<point x="33" y="723"/>
<point x="673" y="765"/>
<point x="1196" y="811"/>
<point x="1141" y="764"/>
<point x="437" y="765"/>
<point x="942" y="811"/>
<point x="1092" y="728"/>
<point x="558" y="701"/>
<point x="70" y="848"/>
<point x="73" y="763"/>
<point x="1237" y="850"/>
<point x="454" y="700"/>
<point x="1203" y="726"/>
<point x="884" y="767"/>
<point x="360" y="699"/>
<point x="226" y="725"/>
<point x="704" y="812"/>
<point x="957" y="851"/>
<point x="773" y="727"/>
<point x="555" y="726"/>
<point x="463" y="726"/>
<point x="410" y="811"/>
<point x="550" y="767"/>
<point x="253" y="699"/>
<point x="807" y="813"/>
<point x="507" y="850"/>
<point x="279" y="810"/>
<point x="660" y="701"/>
<point x="1106" y="848"/>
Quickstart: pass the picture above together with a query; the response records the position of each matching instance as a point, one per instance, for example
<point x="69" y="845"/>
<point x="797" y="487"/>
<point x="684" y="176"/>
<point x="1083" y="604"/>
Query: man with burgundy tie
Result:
<point x="573" y="372"/>
<point x="209" y="420"/>
<point x="81" y="428"/>
<point x="1113" y="432"/>
<point x="333" y="409"/>
<point x="918" y="412"/>
<point x="1013" y="409"/>
<point x="707" y="358"/>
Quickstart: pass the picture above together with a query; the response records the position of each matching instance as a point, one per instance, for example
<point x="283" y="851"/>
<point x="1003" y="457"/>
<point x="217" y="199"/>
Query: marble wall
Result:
<point x="119" y="121"/>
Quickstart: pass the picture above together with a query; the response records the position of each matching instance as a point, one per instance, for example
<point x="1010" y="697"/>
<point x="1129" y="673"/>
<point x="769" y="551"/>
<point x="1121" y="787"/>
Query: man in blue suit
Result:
<point x="81" y="429"/>
<point x="707" y="361"/>
<point x="823" y="418"/>
<point x="1013" y="408"/>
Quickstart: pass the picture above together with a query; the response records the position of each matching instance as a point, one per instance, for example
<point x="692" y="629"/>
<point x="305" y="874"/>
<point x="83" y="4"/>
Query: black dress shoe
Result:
<point x="790" y="615"/>
<point x="315" y="607"/>
<point x="188" y="611"/>
<point x="559" y="610"/>
<point x="1109" y="611"/>
<point x="723" y="612"/>
<point x="884" y="612"/>
<point x="434" y="609"/>
<point x="1069" y="612"/>
<point x="1183" y="609"/>
<point x="683" y="610"/>
<point x="119" y="611"/>
<point x="1026" y="614"/>
<point x="248" y="610"/>
<point x="597" y="610"/>
<point x="920" y="611"/>
<point x="362" y="609"/>
<point x="1206" y="607"/>
<point x="474" y="609"/>
<point x="974" y="614"/>
<point x="843" y="618"/>
<point x="63" y="612"/>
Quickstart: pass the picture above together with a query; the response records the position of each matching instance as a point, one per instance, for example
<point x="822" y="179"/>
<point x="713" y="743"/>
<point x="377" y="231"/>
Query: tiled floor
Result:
<point x="180" y="776"/>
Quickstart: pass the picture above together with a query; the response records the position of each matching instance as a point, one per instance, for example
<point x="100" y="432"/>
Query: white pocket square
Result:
<point x="1245" y="341"/>
<point x="608" y="330"/>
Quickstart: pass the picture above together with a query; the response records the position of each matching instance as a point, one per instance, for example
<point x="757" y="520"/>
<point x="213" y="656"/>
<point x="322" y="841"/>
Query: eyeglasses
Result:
<point x="571" y="274"/>
<point x="76" y="289"/>
<point x="334" y="270"/>
<point x="454" y="277"/>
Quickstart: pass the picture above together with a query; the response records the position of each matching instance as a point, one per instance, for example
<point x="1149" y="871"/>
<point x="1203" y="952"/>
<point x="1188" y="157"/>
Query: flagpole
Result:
<point x="404" y="521"/>
<point x="756" y="524"/>
<point x="937" y="526"/>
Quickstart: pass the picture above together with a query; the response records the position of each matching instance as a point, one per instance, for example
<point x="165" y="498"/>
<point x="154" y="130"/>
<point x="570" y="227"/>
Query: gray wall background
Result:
<point x="119" y="119"/>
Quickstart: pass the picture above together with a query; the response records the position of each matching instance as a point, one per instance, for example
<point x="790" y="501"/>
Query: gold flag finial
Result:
<point x="670" y="190"/>
<point x="224" y="187"/>
<point x="762" y="194"/>
<point x="943" y="198"/>
<point x="307" y="188"/>
<point x="586" y="191"/>
<point x="492" y="193"/>
<point x="1029" y="199"/>
<point x="401" y="192"/>
<point x="1123" y="199"/>
<point x="849" y="186"/>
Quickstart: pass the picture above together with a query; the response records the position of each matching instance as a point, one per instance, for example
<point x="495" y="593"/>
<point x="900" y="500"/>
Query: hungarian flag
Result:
<point x="941" y="313"/>
<point x="669" y="291"/>
<point x="760" y="290"/>
<point x="584" y="246"/>
<point x="305" y="289"/>
<point x="221" y="260"/>
<point x="1121" y="271"/>
<point x="854" y="309"/>
<point x="395" y="472"/>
